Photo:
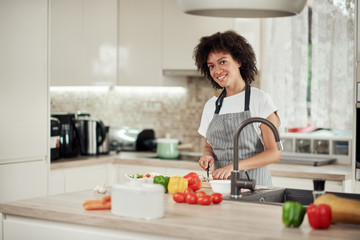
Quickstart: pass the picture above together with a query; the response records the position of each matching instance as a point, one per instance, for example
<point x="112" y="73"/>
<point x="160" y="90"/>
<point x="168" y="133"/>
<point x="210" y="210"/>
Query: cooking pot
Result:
<point x="167" y="148"/>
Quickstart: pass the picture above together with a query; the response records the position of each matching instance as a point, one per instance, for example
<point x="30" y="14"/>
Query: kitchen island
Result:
<point x="63" y="217"/>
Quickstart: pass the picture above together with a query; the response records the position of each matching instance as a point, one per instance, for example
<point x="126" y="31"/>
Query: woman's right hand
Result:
<point x="206" y="161"/>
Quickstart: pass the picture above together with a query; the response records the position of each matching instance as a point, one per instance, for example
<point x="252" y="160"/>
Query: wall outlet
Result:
<point x="152" y="106"/>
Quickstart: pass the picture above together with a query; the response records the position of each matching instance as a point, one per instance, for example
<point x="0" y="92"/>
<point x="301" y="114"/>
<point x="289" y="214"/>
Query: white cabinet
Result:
<point x="250" y="28"/>
<point x="23" y="85"/>
<point x="83" y="42"/>
<point x="23" y="180"/>
<point x="36" y="229"/>
<point x="24" y="123"/>
<point x="304" y="183"/>
<point x="140" y="43"/>
<point x="56" y="182"/>
<point x="80" y="178"/>
<point x="182" y="32"/>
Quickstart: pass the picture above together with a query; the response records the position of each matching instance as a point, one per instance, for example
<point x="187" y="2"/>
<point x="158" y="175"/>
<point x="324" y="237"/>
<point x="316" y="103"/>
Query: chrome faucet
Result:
<point x="236" y="182"/>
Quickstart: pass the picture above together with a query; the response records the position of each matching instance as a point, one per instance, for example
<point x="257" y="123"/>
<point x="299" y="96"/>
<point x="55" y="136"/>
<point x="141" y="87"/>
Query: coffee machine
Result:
<point x="69" y="144"/>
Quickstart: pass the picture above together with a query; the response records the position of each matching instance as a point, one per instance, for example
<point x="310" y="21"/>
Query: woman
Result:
<point x="228" y="61"/>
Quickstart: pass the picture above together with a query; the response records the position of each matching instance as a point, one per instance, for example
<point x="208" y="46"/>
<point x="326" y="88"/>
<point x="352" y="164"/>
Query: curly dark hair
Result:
<point x="227" y="42"/>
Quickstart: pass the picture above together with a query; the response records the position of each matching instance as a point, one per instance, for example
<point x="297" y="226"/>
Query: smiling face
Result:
<point x="224" y="70"/>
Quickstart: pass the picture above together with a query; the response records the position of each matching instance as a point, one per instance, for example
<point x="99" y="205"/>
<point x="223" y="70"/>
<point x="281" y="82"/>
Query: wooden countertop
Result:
<point x="228" y="220"/>
<point x="335" y="172"/>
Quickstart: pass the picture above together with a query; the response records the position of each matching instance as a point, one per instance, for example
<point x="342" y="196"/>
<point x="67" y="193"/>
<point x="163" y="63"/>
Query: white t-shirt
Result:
<point x="261" y="105"/>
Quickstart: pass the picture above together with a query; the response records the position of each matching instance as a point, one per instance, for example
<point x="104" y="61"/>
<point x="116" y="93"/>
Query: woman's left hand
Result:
<point x="222" y="173"/>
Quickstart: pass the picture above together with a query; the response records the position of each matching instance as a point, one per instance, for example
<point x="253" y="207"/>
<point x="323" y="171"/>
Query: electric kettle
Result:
<point x="91" y="134"/>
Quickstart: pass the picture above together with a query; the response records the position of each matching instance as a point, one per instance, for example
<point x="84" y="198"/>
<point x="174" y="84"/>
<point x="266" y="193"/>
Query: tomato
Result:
<point x="191" y="177"/>
<point x="179" y="197"/>
<point x="194" y="181"/>
<point x="191" y="198"/>
<point x="188" y="190"/>
<point x="200" y="193"/>
<point x="196" y="186"/>
<point x="204" y="200"/>
<point x="148" y="175"/>
<point x="216" y="198"/>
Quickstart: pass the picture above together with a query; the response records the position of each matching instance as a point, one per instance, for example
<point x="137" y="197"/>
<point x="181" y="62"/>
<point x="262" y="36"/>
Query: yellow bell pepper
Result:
<point x="177" y="184"/>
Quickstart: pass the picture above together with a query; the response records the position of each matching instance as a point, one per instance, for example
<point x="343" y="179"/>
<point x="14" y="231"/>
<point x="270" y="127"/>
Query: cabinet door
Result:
<point x="56" y="182"/>
<point x="250" y="28"/>
<point x="182" y="32"/>
<point x="303" y="183"/>
<point x="140" y="43"/>
<point x="23" y="81"/>
<point x="83" y="42"/>
<point x="23" y="180"/>
<point x="83" y="178"/>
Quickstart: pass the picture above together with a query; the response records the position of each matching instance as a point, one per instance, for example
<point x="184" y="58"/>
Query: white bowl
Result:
<point x="221" y="186"/>
<point x="145" y="179"/>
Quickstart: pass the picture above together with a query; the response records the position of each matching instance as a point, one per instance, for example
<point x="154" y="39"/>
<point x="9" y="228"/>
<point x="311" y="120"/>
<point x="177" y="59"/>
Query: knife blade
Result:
<point x="207" y="171"/>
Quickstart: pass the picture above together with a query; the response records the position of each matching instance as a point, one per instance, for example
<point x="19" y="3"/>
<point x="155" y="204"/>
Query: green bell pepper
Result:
<point x="293" y="214"/>
<point x="163" y="180"/>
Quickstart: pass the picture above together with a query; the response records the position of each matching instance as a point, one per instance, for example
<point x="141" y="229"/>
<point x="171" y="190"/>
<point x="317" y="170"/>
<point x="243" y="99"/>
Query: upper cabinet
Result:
<point x="130" y="42"/>
<point x="140" y="43"/>
<point x="83" y="42"/>
<point x="182" y="32"/>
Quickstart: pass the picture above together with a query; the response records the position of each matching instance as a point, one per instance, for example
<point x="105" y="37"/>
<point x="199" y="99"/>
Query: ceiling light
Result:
<point x="242" y="8"/>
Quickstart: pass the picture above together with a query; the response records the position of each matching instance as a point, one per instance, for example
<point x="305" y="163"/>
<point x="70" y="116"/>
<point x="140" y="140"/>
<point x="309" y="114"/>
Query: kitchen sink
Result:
<point x="277" y="196"/>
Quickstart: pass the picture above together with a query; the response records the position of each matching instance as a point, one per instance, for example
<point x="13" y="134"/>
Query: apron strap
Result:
<point x="247" y="97"/>
<point x="219" y="101"/>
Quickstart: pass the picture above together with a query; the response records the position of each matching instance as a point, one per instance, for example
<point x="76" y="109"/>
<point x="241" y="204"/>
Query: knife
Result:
<point x="207" y="171"/>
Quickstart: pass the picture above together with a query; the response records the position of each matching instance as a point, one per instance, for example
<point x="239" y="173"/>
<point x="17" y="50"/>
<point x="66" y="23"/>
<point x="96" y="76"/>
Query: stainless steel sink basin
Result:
<point x="277" y="196"/>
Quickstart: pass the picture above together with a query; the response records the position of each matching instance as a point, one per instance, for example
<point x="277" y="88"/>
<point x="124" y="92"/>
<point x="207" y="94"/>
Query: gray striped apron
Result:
<point x="220" y="135"/>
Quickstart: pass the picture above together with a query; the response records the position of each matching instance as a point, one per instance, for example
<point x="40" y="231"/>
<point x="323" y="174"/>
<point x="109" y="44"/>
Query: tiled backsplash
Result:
<point x="173" y="110"/>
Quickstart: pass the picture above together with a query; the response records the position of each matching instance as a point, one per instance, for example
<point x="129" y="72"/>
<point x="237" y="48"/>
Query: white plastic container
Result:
<point x="137" y="200"/>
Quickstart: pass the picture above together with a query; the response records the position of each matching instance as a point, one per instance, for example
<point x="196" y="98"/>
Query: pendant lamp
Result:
<point x="242" y="8"/>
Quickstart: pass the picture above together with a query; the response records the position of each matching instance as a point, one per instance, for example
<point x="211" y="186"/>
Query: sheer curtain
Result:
<point x="332" y="64"/>
<point x="284" y="72"/>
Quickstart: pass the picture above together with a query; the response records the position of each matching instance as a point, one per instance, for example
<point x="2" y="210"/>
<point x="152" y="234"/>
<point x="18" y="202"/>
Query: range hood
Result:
<point x="242" y="8"/>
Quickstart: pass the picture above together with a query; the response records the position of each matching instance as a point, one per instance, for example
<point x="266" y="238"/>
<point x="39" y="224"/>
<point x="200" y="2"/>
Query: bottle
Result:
<point x="319" y="187"/>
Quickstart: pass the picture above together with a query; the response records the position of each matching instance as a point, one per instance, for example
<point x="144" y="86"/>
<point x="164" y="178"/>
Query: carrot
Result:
<point x="91" y="202"/>
<point x="97" y="205"/>
<point x="106" y="199"/>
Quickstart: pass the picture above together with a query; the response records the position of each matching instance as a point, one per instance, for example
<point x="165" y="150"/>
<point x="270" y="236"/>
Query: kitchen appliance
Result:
<point x="69" y="145"/>
<point x="104" y="148"/>
<point x="242" y="8"/>
<point x="167" y="148"/>
<point x="131" y="139"/>
<point x="54" y="138"/>
<point x="126" y="200"/>
<point x="91" y="134"/>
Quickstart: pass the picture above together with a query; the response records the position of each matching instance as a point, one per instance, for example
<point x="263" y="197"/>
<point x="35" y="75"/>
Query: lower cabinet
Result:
<point x="80" y="178"/>
<point x="87" y="177"/>
<point x="304" y="183"/>
<point x="34" y="229"/>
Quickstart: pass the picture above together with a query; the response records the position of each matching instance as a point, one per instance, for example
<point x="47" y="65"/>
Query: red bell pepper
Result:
<point x="194" y="181"/>
<point x="319" y="216"/>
